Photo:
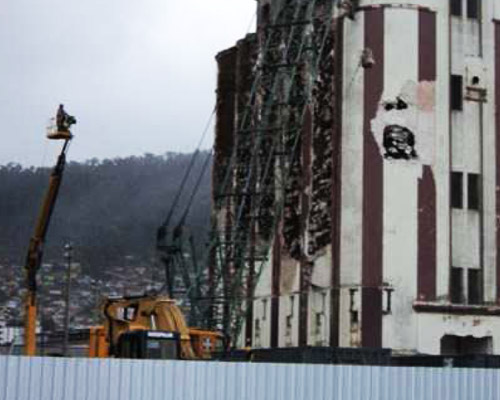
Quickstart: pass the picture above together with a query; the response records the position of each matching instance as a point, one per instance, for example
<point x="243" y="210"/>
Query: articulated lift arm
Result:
<point x="35" y="250"/>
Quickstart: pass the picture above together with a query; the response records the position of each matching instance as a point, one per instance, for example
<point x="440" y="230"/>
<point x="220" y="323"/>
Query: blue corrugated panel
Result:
<point x="23" y="378"/>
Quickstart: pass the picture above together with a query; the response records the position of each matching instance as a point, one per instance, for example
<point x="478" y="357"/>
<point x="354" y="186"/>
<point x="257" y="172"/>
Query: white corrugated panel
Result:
<point x="23" y="378"/>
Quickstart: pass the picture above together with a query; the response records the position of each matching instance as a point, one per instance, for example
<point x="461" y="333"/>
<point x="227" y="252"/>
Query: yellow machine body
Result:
<point x="151" y="313"/>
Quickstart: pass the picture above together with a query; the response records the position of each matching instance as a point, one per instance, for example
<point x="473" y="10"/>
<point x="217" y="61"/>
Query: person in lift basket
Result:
<point x="64" y="120"/>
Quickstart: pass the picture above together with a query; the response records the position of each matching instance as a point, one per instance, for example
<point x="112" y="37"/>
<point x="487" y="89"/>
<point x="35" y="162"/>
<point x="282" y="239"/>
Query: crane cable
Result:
<point x="192" y="162"/>
<point x="195" y="189"/>
<point x="162" y="229"/>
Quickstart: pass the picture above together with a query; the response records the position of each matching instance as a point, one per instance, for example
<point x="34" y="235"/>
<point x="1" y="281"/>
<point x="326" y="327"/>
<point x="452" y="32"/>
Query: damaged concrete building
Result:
<point x="356" y="176"/>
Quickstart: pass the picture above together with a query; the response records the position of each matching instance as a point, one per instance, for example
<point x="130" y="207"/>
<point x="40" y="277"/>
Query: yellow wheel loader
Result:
<point x="150" y="327"/>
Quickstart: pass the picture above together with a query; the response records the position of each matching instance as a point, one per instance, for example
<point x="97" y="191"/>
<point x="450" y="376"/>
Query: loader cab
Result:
<point x="144" y="344"/>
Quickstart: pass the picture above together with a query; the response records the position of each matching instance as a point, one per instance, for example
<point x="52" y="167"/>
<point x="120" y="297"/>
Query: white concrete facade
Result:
<point x="446" y="141"/>
<point x="462" y="140"/>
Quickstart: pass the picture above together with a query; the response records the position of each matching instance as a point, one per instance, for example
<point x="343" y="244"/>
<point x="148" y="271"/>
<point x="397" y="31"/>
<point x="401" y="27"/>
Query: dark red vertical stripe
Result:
<point x="426" y="282"/>
<point x="371" y="335"/>
<point x="305" y="267"/>
<point x="427" y="46"/>
<point x="224" y="143"/>
<point x="497" y="125"/>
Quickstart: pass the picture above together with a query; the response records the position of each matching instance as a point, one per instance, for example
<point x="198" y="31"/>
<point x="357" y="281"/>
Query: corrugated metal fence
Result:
<point x="92" y="379"/>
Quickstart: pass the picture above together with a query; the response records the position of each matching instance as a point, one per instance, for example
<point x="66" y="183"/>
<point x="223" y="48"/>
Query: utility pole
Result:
<point x="96" y="285"/>
<point x="67" y="255"/>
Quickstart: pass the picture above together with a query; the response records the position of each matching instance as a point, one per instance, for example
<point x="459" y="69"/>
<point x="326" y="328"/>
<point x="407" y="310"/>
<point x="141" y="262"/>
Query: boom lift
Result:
<point x="150" y="327"/>
<point x="60" y="131"/>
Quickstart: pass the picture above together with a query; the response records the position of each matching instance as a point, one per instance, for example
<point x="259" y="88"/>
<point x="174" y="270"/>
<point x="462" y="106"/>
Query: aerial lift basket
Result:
<point x="55" y="134"/>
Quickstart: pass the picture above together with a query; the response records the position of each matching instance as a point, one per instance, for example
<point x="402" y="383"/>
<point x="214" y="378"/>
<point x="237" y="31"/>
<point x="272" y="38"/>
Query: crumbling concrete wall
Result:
<point x="232" y="154"/>
<point x="224" y="128"/>
<point x="319" y="223"/>
<point x="280" y="184"/>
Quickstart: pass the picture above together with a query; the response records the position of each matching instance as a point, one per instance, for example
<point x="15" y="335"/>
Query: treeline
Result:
<point x="109" y="210"/>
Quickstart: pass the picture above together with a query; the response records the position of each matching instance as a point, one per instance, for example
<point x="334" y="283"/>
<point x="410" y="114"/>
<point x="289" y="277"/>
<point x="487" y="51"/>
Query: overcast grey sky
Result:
<point x="138" y="75"/>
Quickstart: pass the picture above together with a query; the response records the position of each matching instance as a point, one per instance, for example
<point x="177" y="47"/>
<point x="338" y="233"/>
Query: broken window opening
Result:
<point x="257" y="332"/>
<point x="388" y="308"/>
<point x="455" y="345"/>
<point x="473" y="9"/>
<point x="474" y="286"/>
<point x="352" y="293"/>
<point x="352" y="307"/>
<point x="399" y="143"/>
<point x="264" y="309"/>
<point x="457" y="286"/>
<point x="318" y="323"/>
<point x="292" y="305"/>
<point x="473" y="192"/>
<point x="456" y="8"/>
<point x="456" y="189"/>
<point x="456" y="92"/>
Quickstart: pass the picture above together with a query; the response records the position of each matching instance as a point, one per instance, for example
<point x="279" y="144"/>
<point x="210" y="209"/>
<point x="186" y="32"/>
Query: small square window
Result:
<point x="473" y="192"/>
<point x="456" y="92"/>
<point x="473" y="9"/>
<point x="456" y="190"/>
<point x="456" y="8"/>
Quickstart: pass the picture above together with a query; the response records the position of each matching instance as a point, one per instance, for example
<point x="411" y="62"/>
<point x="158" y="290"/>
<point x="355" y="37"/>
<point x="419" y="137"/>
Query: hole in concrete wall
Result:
<point x="367" y="58"/>
<point x="399" y="143"/>
<point x="399" y="105"/>
<point x="475" y="80"/>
